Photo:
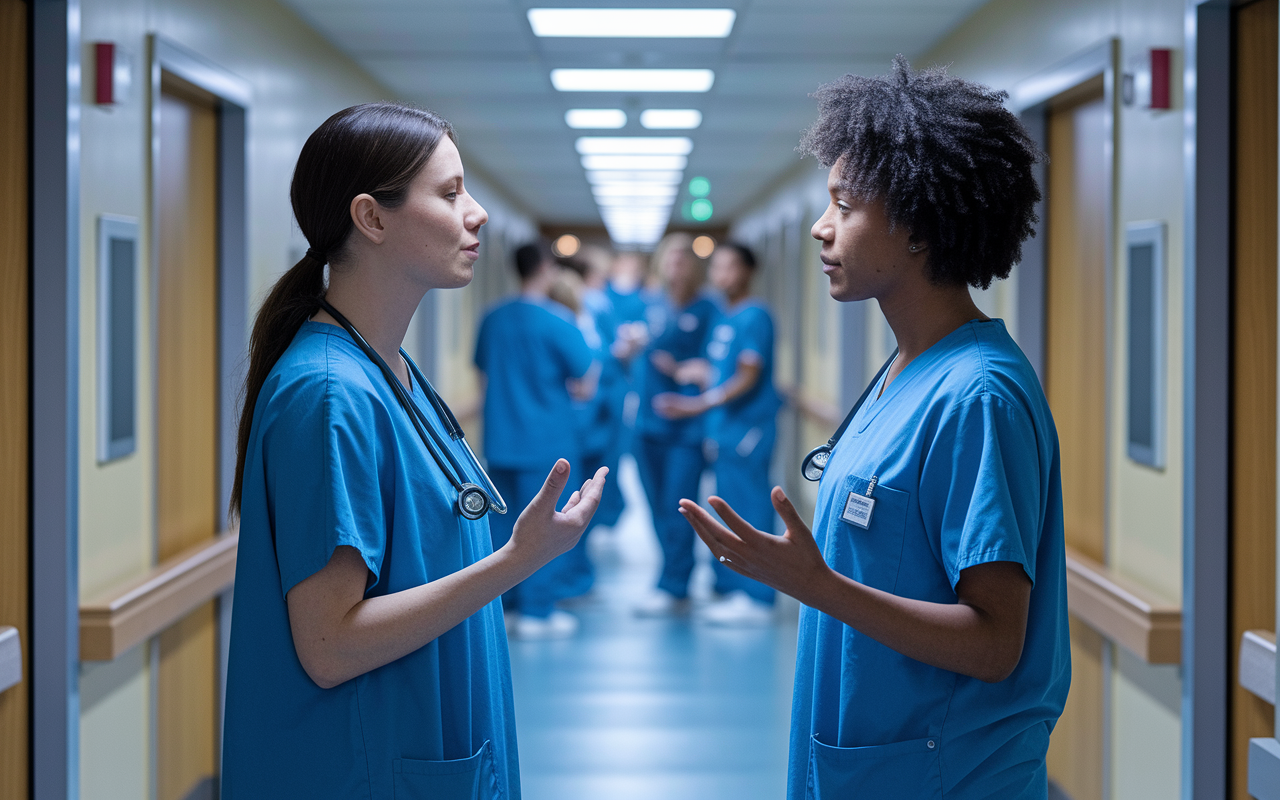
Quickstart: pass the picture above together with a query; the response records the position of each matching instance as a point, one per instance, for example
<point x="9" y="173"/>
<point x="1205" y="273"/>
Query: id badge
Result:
<point x="857" y="510"/>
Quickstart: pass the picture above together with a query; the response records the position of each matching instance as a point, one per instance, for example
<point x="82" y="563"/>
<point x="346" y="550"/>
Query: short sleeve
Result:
<point x="323" y="470"/>
<point x="757" y="336"/>
<point x="980" y="491"/>
<point x="571" y="347"/>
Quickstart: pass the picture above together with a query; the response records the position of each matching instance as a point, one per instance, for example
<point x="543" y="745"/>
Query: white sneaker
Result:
<point x="558" y="625"/>
<point x="661" y="604"/>
<point x="738" y="610"/>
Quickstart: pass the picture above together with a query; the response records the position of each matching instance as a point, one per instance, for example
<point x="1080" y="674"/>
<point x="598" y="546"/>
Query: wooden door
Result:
<point x="1253" y="369"/>
<point x="1075" y="382"/>
<point x="15" y="732"/>
<point x="186" y="437"/>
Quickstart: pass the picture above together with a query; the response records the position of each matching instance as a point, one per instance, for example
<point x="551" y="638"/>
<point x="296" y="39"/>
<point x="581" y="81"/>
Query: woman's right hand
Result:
<point x="542" y="533"/>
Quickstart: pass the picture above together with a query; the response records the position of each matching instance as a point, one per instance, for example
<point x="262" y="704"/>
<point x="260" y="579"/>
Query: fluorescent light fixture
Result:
<point x="665" y="163"/>
<point x="667" y="177"/>
<point x="634" y="202"/>
<point x="595" y="118"/>
<point x="632" y="80"/>
<point x="671" y="118"/>
<point x="633" y="23"/>
<point x="634" y="190"/>
<point x="634" y="145"/>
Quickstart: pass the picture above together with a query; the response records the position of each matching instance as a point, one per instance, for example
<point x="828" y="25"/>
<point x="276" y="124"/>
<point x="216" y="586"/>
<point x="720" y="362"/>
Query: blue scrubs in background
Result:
<point x="964" y="455"/>
<point x="528" y="348"/>
<point x="334" y="460"/>
<point x="600" y="421"/>
<point x="669" y="452"/>
<point x="744" y="429"/>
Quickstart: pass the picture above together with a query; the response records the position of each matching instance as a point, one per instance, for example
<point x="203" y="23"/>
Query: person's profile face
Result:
<point x="435" y="234"/>
<point x="862" y="256"/>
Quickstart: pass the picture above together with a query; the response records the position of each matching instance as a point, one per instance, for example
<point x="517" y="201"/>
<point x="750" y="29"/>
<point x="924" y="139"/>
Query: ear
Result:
<point x="366" y="213"/>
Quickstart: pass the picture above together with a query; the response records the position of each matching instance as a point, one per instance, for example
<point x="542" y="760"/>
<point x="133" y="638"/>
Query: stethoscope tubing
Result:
<point x="824" y="450"/>
<point x="452" y="470"/>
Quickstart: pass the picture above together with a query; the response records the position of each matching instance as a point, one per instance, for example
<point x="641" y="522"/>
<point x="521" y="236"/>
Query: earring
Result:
<point x="915" y="248"/>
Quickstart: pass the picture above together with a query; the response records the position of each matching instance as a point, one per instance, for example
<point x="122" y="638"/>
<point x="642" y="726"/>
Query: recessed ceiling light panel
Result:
<point x="633" y="23"/>
<point x="632" y="80"/>
<point x="665" y="163"/>
<point x="635" y="145"/>
<point x="635" y="190"/>
<point x="595" y="118"/>
<point x="671" y="118"/>
<point x="667" y="177"/>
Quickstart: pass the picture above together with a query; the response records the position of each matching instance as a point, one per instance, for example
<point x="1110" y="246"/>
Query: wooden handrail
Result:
<point x="120" y="618"/>
<point x="1123" y="611"/>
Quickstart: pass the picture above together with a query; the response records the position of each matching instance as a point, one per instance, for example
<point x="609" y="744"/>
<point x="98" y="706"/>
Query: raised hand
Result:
<point x="790" y="563"/>
<point x="544" y="533"/>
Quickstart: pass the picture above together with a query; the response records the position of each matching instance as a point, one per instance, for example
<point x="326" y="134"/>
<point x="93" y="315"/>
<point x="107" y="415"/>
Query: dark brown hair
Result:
<point x="376" y="149"/>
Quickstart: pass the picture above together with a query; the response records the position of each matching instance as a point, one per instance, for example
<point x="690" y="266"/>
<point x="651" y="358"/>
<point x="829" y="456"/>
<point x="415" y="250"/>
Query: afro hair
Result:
<point x="952" y="165"/>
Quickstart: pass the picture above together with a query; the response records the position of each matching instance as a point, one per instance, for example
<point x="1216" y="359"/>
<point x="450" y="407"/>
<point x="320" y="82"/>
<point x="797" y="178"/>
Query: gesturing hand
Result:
<point x="790" y="563"/>
<point x="671" y="405"/>
<point x="544" y="533"/>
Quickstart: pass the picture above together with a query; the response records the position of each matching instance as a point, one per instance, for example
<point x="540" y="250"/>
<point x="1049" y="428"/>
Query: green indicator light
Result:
<point x="699" y="187"/>
<point x="700" y="210"/>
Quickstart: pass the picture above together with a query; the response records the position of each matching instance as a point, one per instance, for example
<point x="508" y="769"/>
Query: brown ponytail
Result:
<point x="376" y="149"/>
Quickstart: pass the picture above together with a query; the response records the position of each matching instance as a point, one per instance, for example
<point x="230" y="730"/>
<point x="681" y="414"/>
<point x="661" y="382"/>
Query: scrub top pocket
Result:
<point x="903" y="769"/>
<point x="871" y="555"/>
<point x="473" y="778"/>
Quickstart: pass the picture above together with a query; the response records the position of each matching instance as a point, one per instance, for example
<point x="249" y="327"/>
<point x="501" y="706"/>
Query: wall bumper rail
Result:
<point x="120" y="618"/>
<point x="10" y="658"/>
<point x="1258" y="664"/>
<point x="1123" y="611"/>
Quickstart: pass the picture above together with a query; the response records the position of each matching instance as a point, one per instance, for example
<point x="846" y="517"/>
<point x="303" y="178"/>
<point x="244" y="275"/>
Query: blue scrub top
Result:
<point x="334" y="460"/>
<point x="598" y="418"/>
<point x="528" y="348"/>
<point x="965" y="454"/>
<point x="747" y="328"/>
<point x="682" y="332"/>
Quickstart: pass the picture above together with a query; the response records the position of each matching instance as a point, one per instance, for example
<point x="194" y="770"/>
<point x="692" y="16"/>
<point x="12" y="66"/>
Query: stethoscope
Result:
<point x="814" y="463"/>
<point x="473" y="501"/>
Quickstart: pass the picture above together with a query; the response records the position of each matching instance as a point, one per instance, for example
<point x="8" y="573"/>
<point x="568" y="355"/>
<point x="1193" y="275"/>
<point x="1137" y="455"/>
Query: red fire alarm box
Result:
<point x="113" y="76"/>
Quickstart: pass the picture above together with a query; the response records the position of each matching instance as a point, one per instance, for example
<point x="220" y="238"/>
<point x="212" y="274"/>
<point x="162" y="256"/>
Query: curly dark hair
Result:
<point x="950" y="162"/>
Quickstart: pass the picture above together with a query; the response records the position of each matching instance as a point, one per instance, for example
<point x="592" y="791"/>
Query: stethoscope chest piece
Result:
<point x="473" y="503"/>
<point x="814" y="463"/>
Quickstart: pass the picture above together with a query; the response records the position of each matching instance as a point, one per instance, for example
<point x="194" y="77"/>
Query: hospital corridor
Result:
<point x="639" y="399"/>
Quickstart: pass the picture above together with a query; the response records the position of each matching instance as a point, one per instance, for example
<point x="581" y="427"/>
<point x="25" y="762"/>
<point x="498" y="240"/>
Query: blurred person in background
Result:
<point x="669" y="451"/>
<point x="741" y="408"/>
<point x="533" y="361"/>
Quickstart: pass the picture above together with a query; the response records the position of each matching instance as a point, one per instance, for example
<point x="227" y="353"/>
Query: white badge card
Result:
<point x="857" y="510"/>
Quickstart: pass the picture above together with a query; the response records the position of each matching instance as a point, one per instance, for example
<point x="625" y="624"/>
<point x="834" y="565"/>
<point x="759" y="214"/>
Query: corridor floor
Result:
<point x="640" y="709"/>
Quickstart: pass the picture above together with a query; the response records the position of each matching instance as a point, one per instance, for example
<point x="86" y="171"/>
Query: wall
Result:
<point x="298" y="80"/>
<point x="1003" y="43"/>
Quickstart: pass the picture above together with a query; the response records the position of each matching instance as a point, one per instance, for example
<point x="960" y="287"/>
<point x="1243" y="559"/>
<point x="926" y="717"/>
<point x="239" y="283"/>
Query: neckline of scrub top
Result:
<point x="872" y="409"/>
<point x="324" y="327"/>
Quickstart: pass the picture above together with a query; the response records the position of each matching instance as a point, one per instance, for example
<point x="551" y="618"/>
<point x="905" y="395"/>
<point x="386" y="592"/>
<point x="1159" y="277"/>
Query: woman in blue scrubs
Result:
<point x="368" y="657"/>
<point x="933" y="652"/>
<point x="669" y="451"/>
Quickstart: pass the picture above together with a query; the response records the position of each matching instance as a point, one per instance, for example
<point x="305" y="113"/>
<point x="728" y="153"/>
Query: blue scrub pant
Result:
<point x="742" y="481"/>
<point x="670" y="472"/>
<point x="537" y="594"/>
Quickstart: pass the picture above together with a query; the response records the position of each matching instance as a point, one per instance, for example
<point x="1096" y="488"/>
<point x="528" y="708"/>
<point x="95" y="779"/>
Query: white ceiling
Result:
<point x="478" y="63"/>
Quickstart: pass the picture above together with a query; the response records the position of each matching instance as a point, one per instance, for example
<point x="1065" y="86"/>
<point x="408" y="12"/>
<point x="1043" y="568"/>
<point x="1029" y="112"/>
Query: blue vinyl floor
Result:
<point x="634" y="709"/>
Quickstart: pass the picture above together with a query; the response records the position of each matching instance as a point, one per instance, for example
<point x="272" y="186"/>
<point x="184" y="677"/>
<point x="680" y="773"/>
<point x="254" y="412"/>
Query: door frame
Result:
<point x="233" y="96"/>
<point x="55" y="414"/>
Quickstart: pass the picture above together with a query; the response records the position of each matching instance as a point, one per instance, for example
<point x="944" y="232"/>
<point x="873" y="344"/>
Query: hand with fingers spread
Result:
<point x="790" y="563"/>
<point x="542" y="533"/>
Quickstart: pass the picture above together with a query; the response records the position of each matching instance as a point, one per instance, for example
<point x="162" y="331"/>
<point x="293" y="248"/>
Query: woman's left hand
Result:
<point x="790" y="563"/>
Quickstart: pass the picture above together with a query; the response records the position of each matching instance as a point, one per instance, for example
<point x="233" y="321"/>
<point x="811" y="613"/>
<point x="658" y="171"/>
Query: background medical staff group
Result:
<point x="571" y="366"/>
